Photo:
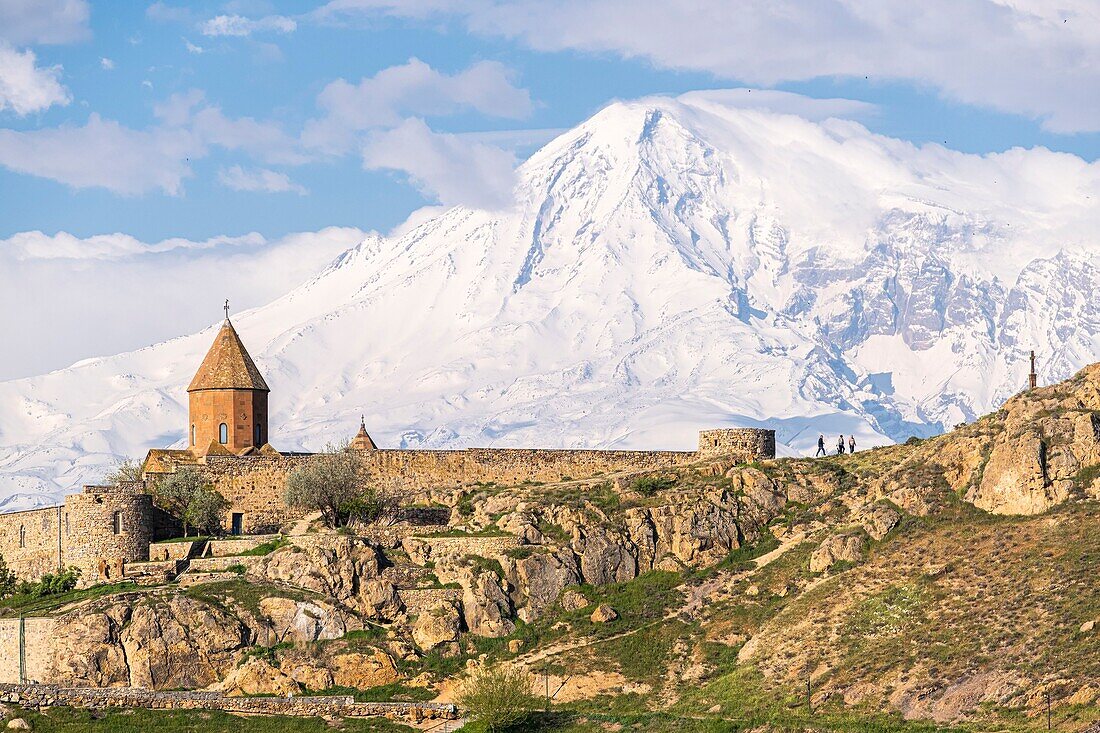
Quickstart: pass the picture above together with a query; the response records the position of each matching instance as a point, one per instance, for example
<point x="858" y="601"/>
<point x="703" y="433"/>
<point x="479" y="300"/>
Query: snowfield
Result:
<point x="669" y="265"/>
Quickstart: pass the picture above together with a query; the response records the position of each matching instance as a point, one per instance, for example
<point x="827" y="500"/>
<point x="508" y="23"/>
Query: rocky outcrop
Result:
<point x="538" y="580"/>
<point x="305" y="621"/>
<point x="258" y="677"/>
<point x="334" y="566"/>
<point x="171" y="643"/>
<point x="436" y="627"/>
<point x="837" y="548"/>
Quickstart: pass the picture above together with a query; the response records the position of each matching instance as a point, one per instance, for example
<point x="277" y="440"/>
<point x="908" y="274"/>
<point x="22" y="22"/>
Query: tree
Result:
<point x="7" y="579"/>
<point x="127" y="470"/>
<point x="335" y="483"/>
<point x="498" y="698"/>
<point x="186" y="495"/>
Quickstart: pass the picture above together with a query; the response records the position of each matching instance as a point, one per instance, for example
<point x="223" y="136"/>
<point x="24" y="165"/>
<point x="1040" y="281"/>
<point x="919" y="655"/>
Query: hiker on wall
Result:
<point x="840" y="446"/>
<point x="821" y="446"/>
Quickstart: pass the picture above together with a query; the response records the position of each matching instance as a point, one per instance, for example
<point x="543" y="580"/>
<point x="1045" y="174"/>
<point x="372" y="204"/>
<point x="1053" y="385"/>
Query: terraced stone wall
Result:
<point x="741" y="444"/>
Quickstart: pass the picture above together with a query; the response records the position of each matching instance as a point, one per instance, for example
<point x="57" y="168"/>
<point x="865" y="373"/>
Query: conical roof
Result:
<point x="227" y="365"/>
<point x="362" y="441"/>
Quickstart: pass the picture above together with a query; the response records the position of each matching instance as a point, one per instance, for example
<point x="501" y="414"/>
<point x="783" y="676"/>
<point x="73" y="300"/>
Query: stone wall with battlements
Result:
<point x="741" y="444"/>
<point x="96" y="531"/>
<point x="254" y="485"/>
<point x="31" y="541"/>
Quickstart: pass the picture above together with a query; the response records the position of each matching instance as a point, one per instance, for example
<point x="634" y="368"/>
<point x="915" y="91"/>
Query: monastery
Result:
<point x="103" y="528"/>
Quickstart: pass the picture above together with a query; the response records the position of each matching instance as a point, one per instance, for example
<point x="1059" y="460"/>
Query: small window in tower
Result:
<point x="716" y="442"/>
<point x="223" y="433"/>
<point x="22" y="536"/>
<point x="117" y="522"/>
<point x="257" y="440"/>
<point x="192" y="435"/>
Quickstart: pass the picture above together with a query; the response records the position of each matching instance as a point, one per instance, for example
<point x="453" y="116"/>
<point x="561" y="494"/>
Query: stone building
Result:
<point x="102" y="528"/>
<point x="97" y="531"/>
<point x="227" y="399"/>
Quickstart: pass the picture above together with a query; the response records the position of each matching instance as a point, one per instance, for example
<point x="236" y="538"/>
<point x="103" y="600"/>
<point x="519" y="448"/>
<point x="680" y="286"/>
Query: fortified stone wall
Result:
<point x="38" y="634"/>
<point x="254" y="485"/>
<point x="106" y="527"/>
<point x="96" y="531"/>
<point x="741" y="444"/>
<point x="31" y="541"/>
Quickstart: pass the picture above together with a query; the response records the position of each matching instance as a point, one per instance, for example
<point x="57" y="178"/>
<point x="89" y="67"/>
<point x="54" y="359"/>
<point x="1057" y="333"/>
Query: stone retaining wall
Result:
<point x="237" y="545"/>
<point x="173" y="550"/>
<point x="36" y="696"/>
<point x="422" y="549"/>
<point x="222" y="564"/>
<point x="37" y="644"/>
<point x="421" y="600"/>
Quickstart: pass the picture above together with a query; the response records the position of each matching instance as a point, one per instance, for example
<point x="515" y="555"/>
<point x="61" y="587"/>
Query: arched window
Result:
<point x="116" y="522"/>
<point x="22" y="536"/>
<point x="192" y="435"/>
<point x="223" y="433"/>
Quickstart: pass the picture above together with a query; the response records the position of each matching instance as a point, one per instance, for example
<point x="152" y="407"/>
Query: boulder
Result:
<point x="182" y="643"/>
<point x="846" y="547"/>
<point x="303" y="621"/>
<point x="258" y="677"/>
<point x="486" y="608"/>
<point x="18" y="724"/>
<point x="362" y="671"/>
<point x="538" y="580"/>
<point x="437" y="626"/>
<point x="334" y="566"/>
<point x="878" y="519"/>
<point x="573" y="600"/>
<point x="307" y="674"/>
<point x="603" y="614"/>
<point x="379" y="599"/>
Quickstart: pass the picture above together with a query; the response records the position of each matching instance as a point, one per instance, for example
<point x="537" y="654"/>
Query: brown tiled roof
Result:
<point x="164" y="460"/>
<point x="216" y="449"/>
<point x="362" y="441"/>
<point x="227" y="365"/>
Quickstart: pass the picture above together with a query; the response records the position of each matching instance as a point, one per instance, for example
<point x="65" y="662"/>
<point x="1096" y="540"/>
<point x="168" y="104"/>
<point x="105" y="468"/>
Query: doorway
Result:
<point x="238" y="523"/>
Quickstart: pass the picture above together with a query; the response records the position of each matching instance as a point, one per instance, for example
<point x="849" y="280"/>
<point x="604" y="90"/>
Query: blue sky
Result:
<point x="202" y="124"/>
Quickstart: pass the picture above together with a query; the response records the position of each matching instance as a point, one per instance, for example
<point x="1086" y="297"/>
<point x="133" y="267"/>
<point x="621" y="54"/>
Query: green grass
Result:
<point x="265" y="548"/>
<point x="26" y="605"/>
<point x="69" y="720"/>
<point x="197" y="538"/>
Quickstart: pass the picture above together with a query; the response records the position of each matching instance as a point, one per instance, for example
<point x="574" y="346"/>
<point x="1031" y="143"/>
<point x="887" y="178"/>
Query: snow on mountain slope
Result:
<point x="667" y="266"/>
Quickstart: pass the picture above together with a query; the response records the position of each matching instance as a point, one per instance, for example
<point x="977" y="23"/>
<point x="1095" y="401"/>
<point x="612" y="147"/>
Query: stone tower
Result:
<point x="227" y="399"/>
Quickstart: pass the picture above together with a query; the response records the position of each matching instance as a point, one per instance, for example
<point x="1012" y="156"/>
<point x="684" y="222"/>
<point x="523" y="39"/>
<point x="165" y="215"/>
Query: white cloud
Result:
<point x="111" y="274"/>
<point x="414" y="88"/>
<point x="44" y="21"/>
<point x="444" y="167"/>
<point x="25" y="87"/>
<point x="192" y="48"/>
<point x="106" y="63"/>
<point x="1030" y="57"/>
<point x="810" y="108"/>
<point x="237" y="25"/>
<point x="259" y="179"/>
<point x="102" y="153"/>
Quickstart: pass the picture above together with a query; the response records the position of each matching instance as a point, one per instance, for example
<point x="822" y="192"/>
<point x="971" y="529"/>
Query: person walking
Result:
<point x="821" y="446"/>
<point x="840" y="446"/>
<point x="851" y="444"/>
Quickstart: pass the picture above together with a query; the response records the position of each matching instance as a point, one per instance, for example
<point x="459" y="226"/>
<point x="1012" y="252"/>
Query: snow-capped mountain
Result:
<point x="667" y="266"/>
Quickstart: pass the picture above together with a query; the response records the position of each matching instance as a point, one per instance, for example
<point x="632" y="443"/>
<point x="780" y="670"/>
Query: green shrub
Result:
<point x="650" y="485"/>
<point x="498" y="698"/>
